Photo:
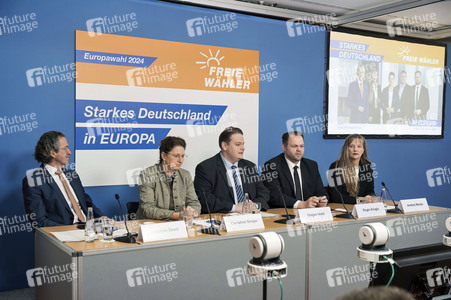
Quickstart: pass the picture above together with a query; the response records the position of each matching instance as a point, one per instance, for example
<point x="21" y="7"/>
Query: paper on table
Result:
<point x="205" y="223"/>
<point x="264" y="214"/>
<point x="269" y="215"/>
<point x="119" y="232"/>
<point x="70" y="236"/>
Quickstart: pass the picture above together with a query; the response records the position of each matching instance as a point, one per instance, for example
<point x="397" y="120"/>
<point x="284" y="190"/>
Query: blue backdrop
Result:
<point x="42" y="34"/>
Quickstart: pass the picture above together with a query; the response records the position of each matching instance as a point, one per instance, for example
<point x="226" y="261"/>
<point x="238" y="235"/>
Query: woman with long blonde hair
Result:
<point x="352" y="174"/>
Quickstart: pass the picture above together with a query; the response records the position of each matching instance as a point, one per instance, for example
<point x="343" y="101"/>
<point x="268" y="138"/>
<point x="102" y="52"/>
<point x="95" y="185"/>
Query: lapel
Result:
<point x="222" y="173"/>
<point x="286" y="172"/>
<point x="51" y="182"/>
<point x="304" y="172"/>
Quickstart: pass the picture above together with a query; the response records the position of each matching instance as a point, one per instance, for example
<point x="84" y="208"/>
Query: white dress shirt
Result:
<point x="229" y="171"/>
<point x="291" y="167"/>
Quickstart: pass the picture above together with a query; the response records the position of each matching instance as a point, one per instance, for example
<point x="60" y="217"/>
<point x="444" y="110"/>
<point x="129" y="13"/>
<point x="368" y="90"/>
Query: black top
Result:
<point x="336" y="182"/>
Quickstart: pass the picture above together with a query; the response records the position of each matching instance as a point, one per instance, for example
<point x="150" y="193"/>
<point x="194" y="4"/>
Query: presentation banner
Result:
<point x="384" y="87"/>
<point x="133" y="92"/>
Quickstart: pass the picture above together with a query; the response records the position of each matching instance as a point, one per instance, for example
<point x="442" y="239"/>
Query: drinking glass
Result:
<point x="107" y="229"/>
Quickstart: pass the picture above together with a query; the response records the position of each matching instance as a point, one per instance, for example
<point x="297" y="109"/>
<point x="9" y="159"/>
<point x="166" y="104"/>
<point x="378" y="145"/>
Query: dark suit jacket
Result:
<point x="355" y="100"/>
<point x="396" y="105"/>
<point x="423" y="102"/>
<point x="374" y="104"/>
<point x="366" y="185"/>
<point x="276" y="174"/>
<point x="406" y="102"/>
<point x="45" y="203"/>
<point x="211" y="179"/>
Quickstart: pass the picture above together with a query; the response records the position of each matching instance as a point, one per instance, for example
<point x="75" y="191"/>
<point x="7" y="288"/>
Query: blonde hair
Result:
<point x="348" y="168"/>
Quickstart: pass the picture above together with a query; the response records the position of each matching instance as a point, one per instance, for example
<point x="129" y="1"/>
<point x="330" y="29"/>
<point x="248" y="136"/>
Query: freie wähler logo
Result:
<point x="18" y="23"/>
<point x="404" y="54"/>
<point x="18" y="123"/>
<point x="209" y="25"/>
<point x="114" y="24"/>
<point x="222" y="77"/>
<point x="45" y="75"/>
<point x="438" y="176"/>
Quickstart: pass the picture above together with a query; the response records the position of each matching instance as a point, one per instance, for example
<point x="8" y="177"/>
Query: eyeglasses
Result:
<point x="178" y="155"/>
<point x="65" y="148"/>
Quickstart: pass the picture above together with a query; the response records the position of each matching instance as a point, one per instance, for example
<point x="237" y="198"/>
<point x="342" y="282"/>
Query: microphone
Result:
<point x="395" y="210"/>
<point x="347" y="214"/>
<point x="129" y="239"/>
<point x="212" y="229"/>
<point x="288" y="219"/>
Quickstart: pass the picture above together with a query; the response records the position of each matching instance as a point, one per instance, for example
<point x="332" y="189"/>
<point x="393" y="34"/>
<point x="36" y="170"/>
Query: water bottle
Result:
<point x="90" y="232"/>
<point x="384" y="197"/>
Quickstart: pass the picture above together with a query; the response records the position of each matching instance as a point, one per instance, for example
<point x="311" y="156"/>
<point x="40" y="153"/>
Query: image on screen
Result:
<point x="385" y="88"/>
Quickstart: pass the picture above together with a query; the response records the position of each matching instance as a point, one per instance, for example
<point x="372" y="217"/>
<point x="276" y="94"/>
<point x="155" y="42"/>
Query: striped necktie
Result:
<point x="238" y="188"/>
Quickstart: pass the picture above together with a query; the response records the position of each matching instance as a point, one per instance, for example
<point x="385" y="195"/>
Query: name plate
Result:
<point x="369" y="210"/>
<point x="162" y="231"/>
<point x="243" y="222"/>
<point x="312" y="215"/>
<point x="412" y="205"/>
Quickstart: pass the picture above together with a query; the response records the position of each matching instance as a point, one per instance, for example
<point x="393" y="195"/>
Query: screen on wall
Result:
<point x="384" y="88"/>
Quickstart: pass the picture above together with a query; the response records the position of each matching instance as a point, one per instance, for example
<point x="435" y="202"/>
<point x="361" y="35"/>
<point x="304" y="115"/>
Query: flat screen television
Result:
<point x="384" y="88"/>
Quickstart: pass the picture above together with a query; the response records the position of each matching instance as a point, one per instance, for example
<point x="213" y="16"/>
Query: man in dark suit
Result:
<point x="390" y="101"/>
<point x="53" y="195"/>
<point x="421" y="94"/>
<point x="294" y="176"/>
<point x="358" y="98"/>
<point x="374" y="99"/>
<point x="224" y="179"/>
<point x="405" y="96"/>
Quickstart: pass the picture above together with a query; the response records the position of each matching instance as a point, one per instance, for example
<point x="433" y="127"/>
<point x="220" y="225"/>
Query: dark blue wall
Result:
<point x="298" y="91"/>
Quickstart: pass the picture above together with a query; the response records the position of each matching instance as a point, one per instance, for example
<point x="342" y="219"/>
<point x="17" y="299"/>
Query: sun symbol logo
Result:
<point x="211" y="60"/>
<point x="404" y="51"/>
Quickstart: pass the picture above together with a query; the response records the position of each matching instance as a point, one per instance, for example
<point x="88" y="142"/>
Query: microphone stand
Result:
<point x="395" y="210"/>
<point x="348" y="213"/>
<point x="288" y="219"/>
<point x="129" y="239"/>
<point x="212" y="229"/>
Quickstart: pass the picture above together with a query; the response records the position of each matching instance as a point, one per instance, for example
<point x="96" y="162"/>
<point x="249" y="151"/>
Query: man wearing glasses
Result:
<point x="54" y="195"/>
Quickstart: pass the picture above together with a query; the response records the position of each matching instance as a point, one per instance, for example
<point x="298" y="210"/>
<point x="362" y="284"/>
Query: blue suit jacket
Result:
<point x="45" y="203"/>
<point x="355" y="100"/>
<point x="211" y="179"/>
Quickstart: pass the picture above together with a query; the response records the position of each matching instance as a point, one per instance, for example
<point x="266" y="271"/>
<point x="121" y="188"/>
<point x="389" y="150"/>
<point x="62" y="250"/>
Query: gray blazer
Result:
<point x="157" y="200"/>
